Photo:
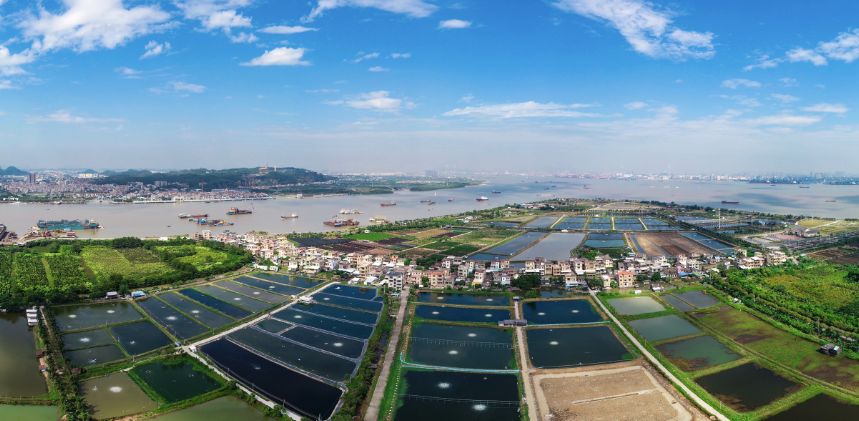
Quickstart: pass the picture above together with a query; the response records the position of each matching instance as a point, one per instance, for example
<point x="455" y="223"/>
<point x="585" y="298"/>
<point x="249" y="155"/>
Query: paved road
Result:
<point x="533" y="410"/>
<point x="698" y="401"/>
<point x="391" y="353"/>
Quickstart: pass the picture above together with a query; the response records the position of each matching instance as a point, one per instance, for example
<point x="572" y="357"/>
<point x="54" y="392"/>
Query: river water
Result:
<point x="153" y="220"/>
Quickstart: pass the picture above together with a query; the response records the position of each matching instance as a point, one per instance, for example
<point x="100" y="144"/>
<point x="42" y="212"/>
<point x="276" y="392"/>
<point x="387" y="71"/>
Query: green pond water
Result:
<point x="28" y="413"/>
<point x="115" y="395"/>
<point x="568" y="347"/>
<point x="663" y="327"/>
<point x="819" y="407"/>
<point x="461" y="346"/>
<point x="632" y="306"/>
<point x="697" y="353"/>
<point x="87" y="339"/>
<point x="94" y="315"/>
<point x="94" y="356"/>
<point x="140" y="337"/>
<point x="677" y="303"/>
<point x="227" y="408"/>
<point x="19" y="368"/>
<point x="698" y="299"/>
<point x="176" y="380"/>
<point x="747" y="387"/>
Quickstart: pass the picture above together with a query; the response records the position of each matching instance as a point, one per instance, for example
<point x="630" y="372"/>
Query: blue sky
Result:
<point x="406" y="85"/>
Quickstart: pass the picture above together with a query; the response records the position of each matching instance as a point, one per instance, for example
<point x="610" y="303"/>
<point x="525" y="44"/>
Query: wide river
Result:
<point x="154" y="220"/>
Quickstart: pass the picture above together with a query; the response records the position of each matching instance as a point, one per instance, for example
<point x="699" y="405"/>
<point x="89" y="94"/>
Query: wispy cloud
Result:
<point x="784" y="98"/>
<point x="154" y="49"/>
<point x="10" y="63"/>
<point x="844" y="47"/>
<point x="287" y="30"/>
<point x="740" y="83"/>
<point x="191" y="88"/>
<point x="401" y="56"/>
<point x="66" y="117"/>
<point x="128" y="72"/>
<point x="87" y="25"/>
<point x="454" y="24"/>
<point x="281" y="56"/>
<point x="223" y="15"/>
<point x="413" y="8"/>
<point x="784" y="120"/>
<point x="635" y="105"/>
<point x="649" y="31"/>
<point x="763" y="62"/>
<point x="378" y="69"/>
<point x="6" y="85"/>
<point x="826" y="108"/>
<point x="527" y="109"/>
<point x="362" y="56"/>
<point x="376" y="101"/>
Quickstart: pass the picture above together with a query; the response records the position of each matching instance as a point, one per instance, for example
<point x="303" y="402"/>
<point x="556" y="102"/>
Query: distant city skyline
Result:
<point x="410" y="85"/>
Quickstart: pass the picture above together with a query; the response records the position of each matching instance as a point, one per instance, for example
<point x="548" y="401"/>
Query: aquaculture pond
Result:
<point x="699" y="299"/>
<point x="348" y="302"/>
<point x="94" y="356"/>
<point x="555" y="246"/>
<point x="542" y="222"/>
<point x="820" y="407"/>
<point x="227" y="408"/>
<point x="446" y="395"/>
<point x="464" y="299"/>
<point x="340" y="345"/>
<point x="560" y="312"/>
<point x="253" y="292"/>
<point x="115" y="395"/>
<point x="355" y="316"/>
<point x="462" y="314"/>
<point x="605" y="240"/>
<point x="574" y="346"/>
<point x="174" y="321"/>
<point x="747" y="387"/>
<point x="571" y="223"/>
<point x="269" y="286"/>
<point x="631" y="306"/>
<point x="209" y="301"/>
<point x="196" y="310"/>
<point x="351" y="291"/>
<point x="296" y="391"/>
<point x="242" y="301"/>
<point x="325" y="323"/>
<point x="294" y="355"/>
<point x="664" y="327"/>
<point x="709" y="242"/>
<point x="82" y="317"/>
<point x="461" y="346"/>
<point x="19" y="368"/>
<point x="513" y="246"/>
<point x="175" y="380"/>
<point x="677" y="303"/>
<point x="697" y="353"/>
<point x="139" y="337"/>
<point x="273" y="325"/>
<point x="87" y="339"/>
<point x="28" y="413"/>
<point x="298" y="281"/>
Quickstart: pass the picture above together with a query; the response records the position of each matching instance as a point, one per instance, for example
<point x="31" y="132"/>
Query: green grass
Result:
<point x="369" y="236"/>
<point x="103" y="262"/>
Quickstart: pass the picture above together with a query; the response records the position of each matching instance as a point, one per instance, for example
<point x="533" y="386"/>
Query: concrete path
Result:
<point x="689" y="393"/>
<point x="530" y="400"/>
<point x="382" y="384"/>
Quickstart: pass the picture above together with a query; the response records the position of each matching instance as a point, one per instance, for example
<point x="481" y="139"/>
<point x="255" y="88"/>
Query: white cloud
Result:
<point x="826" y="108"/>
<point x="191" y="88"/>
<point x="649" y="31"/>
<point x="635" y="105"/>
<point x="87" y="25"/>
<point x="763" y="62"/>
<point x="6" y="85"/>
<point x="401" y="56"/>
<point x="454" y="24"/>
<point x="740" y="83"/>
<point x="220" y="15"/>
<point x="413" y="8"/>
<point x="243" y="38"/>
<point x="784" y="98"/>
<point x="362" y="56"/>
<point x="803" y="54"/>
<point x="128" y="72"/>
<point x="378" y="69"/>
<point x="789" y="82"/>
<point x="281" y="56"/>
<point x="287" y="30"/>
<point x="10" y="64"/>
<point x="527" y="109"/>
<point x="376" y="101"/>
<point x="154" y="49"/>
<point x="66" y="117"/>
<point x="784" y="120"/>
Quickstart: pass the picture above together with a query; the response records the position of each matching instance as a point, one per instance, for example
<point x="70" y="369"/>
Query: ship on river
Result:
<point x="237" y="211"/>
<point x="338" y="223"/>
<point x="68" y="225"/>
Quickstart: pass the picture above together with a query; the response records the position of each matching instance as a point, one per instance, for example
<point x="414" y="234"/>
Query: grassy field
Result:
<point x="815" y="282"/>
<point x="201" y="257"/>
<point x="781" y="346"/>
<point x="830" y="226"/>
<point x="104" y="261"/>
<point x="370" y="236"/>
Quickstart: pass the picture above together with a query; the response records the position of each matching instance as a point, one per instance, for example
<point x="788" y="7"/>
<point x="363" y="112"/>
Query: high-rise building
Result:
<point x="32" y="178"/>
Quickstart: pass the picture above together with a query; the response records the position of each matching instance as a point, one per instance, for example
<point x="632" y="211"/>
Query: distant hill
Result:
<point x="12" y="172"/>
<point x="218" y="179"/>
